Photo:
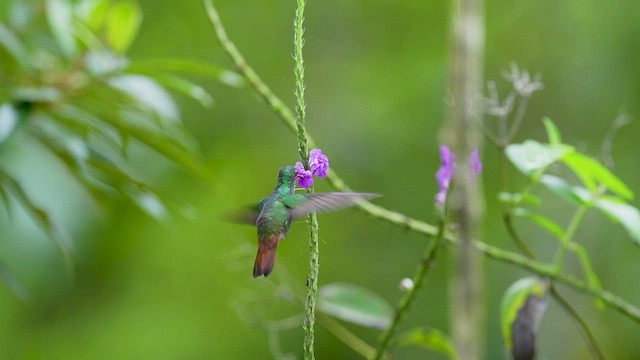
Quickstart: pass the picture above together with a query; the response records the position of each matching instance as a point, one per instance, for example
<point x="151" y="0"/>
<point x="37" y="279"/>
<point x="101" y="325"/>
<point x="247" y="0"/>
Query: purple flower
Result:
<point x="444" y="174"/>
<point x="318" y="163"/>
<point x="474" y="163"/>
<point x="304" y="177"/>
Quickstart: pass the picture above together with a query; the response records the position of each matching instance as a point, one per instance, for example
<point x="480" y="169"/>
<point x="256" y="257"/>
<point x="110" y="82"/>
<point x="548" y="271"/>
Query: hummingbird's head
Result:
<point x="286" y="175"/>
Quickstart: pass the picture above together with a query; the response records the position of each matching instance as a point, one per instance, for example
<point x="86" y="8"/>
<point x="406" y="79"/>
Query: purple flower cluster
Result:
<point x="318" y="166"/>
<point x="445" y="172"/>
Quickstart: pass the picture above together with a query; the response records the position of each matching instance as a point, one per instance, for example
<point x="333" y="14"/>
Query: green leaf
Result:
<point x="189" y="66"/>
<point x="12" y="281"/>
<point x="627" y="215"/>
<point x="575" y="194"/>
<point x="544" y="222"/>
<point x="151" y="204"/>
<point x="8" y="121"/>
<point x="187" y="88"/>
<point x="355" y="304"/>
<point x="585" y="262"/>
<point x="10" y="42"/>
<point x="39" y="216"/>
<point x="60" y="16"/>
<point x="523" y="305"/>
<point x="532" y="155"/>
<point x="38" y="94"/>
<point x="592" y="173"/>
<point x="122" y="22"/>
<point x="92" y="13"/>
<point x="148" y="94"/>
<point x="517" y="198"/>
<point x="552" y="132"/>
<point x="432" y="339"/>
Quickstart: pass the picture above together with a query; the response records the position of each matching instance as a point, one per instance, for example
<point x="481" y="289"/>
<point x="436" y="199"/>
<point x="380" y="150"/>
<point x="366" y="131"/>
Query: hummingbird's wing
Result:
<point x="247" y="215"/>
<point x="300" y="205"/>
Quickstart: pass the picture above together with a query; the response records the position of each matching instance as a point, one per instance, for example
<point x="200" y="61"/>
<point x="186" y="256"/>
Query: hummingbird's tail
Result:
<point x="266" y="256"/>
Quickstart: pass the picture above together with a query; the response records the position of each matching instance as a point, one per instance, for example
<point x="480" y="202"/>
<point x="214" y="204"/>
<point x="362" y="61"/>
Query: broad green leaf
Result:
<point x="14" y="47"/>
<point x="585" y="262"/>
<point x="627" y="215"/>
<point x="575" y="194"/>
<point x="553" y="134"/>
<point x="355" y="304"/>
<point x="122" y="22"/>
<point x="432" y="339"/>
<point x="189" y="66"/>
<point x="523" y="305"/>
<point x="40" y="217"/>
<point x="148" y="94"/>
<point x="60" y="16"/>
<point x="592" y="173"/>
<point x="544" y="222"/>
<point x="532" y="155"/>
<point x="8" y="121"/>
<point x="187" y="88"/>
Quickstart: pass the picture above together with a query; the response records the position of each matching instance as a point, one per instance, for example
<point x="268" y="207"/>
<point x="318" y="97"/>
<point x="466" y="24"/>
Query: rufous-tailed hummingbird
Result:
<point x="273" y="214"/>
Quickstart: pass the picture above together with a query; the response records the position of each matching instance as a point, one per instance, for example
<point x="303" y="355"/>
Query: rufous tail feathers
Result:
<point x="266" y="256"/>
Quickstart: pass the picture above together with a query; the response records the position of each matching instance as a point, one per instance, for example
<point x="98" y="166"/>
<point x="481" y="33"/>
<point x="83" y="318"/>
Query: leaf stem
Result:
<point x="427" y="261"/>
<point x="565" y="242"/>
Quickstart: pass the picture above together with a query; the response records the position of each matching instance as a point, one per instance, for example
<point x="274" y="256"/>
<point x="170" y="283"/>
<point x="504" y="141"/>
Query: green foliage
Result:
<point x="431" y="339"/>
<point x="355" y="304"/>
<point x="532" y="156"/>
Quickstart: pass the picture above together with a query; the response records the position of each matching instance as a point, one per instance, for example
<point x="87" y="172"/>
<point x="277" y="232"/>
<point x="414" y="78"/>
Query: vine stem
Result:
<point x="396" y="218"/>
<point x="565" y="242"/>
<point x="428" y="258"/>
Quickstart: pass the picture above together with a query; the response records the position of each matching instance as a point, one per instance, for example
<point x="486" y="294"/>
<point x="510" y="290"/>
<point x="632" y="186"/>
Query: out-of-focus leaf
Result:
<point x="187" y="88"/>
<point x="575" y="194"/>
<point x="592" y="173"/>
<point x="122" y="22"/>
<point x="21" y="13"/>
<point x="60" y="16"/>
<point x="553" y="134"/>
<point x="432" y="339"/>
<point x="517" y="198"/>
<point x="38" y="94"/>
<point x="10" y="42"/>
<point x="12" y="281"/>
<point x="585" y="262"/>
<point x="355" y="304"/>
<point x="40" y="217"/>
<point x="627" y="215"/>
<point x="544" y="222"/>
<point x="523" y="305"/>
<point x="8" y="121"/>
<point x="189" y="66"/>
<point x="531" y="155"/>
<point x="102" y="62"/>
<point x="151" y="204"/>
<point x="148" y="94"/>
<point x="92" y="12"/>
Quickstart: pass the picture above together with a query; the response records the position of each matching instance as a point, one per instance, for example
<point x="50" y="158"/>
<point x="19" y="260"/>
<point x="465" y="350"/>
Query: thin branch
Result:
<point x="427" y="261"/>
<point x="343" y="334"/>
<point x="397" y="218"/>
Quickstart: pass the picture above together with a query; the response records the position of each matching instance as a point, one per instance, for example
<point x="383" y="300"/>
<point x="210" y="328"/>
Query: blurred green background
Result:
<point x="376" y="80"/>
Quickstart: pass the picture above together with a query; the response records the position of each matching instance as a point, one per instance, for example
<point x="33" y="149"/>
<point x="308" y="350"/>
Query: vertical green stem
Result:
<point x="421" y="271"/>
<point x="303" y="150"/>
<point x="565" y="242"/>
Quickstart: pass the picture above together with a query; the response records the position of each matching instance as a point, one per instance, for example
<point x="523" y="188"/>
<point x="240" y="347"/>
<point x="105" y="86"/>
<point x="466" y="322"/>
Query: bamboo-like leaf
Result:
<point x="592" y="173"/>
<point x="8" y="121"/>
<point x="432" y="339"/>
<point x="122" y="22"/>
<point x="523" y="305"/>
<point x="16" y="286"/>
<point x="189" y="66"/>
<point x="355" y="304"/>
<point x="587" y="267"/>
<point x="60" y="16"/>
<point x="14" y="47"/>
<point x="148" y="94"/>
<point x="187" y="88"/>
<point x="544" y="222"/>
<point x="40" y="217"/>
<point x="92" y="13"/>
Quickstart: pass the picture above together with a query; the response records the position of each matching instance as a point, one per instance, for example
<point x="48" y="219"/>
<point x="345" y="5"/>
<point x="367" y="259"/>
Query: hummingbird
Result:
<point x="273" y="215"/>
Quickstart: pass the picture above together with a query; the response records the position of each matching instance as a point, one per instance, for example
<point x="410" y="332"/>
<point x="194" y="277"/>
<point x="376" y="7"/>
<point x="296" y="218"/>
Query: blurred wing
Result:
<point x="248" y="215"/>
<point x="302" y="205"/>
